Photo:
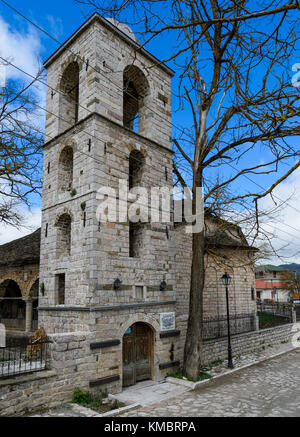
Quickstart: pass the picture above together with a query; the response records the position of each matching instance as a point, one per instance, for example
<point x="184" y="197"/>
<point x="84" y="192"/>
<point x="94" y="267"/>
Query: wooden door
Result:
<point x="137" y="354"/>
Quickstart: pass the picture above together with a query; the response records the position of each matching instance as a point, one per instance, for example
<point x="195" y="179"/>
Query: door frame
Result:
<point x="152" y="341"/>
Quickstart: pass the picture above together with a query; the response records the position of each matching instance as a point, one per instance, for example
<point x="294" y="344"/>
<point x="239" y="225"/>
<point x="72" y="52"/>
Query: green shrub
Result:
<point x="214" y="364"/>
<point x="202" y="376"/>
<point x="80" y="398"/>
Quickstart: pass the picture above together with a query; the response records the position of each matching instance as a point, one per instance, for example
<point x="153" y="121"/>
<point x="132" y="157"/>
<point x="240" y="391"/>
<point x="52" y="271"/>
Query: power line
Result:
<point x="267" y="224"/>
<point x="84" y="61"/>
<point x="98" y="139"/>
<point x="67" y="121"/>
<point x="260" y="186"/>
<point x="125" y="91"/>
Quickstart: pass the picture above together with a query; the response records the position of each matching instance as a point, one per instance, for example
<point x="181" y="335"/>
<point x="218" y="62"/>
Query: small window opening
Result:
<point x="63" y="225"/>
<point x="136" y="168"/>
<point x="61" y="284"/>
<point x="65" y="169"/>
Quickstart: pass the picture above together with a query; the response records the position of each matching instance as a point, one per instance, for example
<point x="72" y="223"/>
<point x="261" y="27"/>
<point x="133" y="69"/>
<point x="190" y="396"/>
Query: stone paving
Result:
<point x="268" y="389"/>
<point x="149" y="392"/>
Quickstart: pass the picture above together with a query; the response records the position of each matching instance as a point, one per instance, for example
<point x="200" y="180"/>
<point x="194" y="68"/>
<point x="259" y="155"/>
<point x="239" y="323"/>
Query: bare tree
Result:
<point x="292" y="282"/>
<point x="233" y="59"/>
<point x="20" y="150"/>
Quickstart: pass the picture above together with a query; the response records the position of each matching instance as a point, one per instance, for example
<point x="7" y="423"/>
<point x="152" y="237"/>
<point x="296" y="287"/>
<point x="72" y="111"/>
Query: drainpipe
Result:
<point x="28" y="320"/>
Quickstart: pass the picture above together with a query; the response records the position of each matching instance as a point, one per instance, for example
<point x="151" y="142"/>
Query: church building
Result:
<point x="120" y="290"/>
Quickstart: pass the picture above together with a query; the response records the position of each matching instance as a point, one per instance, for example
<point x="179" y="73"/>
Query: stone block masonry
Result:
<point x="246" y="343"/>
<point x="73" y="366"/>
<point x="82" y="257"/>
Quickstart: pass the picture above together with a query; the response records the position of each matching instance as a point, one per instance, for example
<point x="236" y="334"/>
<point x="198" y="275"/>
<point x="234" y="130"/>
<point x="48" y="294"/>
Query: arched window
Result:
<point x="136" y="168"/>
<point x="69" y="101"/>
<point x="65" y="169"/>
<point x="135" y="92"/>
<point x="63" y="242"/>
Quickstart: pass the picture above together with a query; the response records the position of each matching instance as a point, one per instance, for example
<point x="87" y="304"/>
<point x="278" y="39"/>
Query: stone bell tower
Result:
<point x="109" y="119"/>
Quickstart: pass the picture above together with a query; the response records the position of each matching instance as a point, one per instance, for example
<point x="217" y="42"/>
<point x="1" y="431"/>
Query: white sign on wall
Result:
<point x="167" y="321"/>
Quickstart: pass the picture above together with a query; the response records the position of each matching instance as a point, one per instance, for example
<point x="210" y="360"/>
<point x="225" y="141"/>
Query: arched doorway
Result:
<point x="12" y="306"/>
<point x="138" y="345"/>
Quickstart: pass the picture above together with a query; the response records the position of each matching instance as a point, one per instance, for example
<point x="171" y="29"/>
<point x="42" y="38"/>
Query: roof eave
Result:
<point x="110" y="26"/>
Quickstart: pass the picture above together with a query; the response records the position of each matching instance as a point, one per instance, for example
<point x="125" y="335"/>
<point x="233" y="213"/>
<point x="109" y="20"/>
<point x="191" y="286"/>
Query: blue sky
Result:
<point x="61" y="19"/>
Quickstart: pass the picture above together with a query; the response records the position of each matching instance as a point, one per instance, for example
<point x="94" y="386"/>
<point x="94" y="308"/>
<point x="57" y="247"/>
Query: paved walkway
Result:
<point x="149" y="392"/>
<point x="268" y="389"/>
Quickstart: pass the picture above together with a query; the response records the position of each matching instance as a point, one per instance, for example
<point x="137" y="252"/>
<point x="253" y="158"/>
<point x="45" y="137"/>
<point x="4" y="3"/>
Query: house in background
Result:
<point x="270" y="286"/>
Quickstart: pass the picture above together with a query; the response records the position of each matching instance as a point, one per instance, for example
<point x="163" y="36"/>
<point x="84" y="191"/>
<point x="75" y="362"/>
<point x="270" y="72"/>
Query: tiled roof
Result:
<point x="269" y="268"/>
<point x="269" y="285"/>
<point x="25" y="250"/>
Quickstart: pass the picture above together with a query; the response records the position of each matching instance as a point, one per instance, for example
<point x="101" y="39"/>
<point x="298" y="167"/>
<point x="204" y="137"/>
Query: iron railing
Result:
<point x="214" y="328"/>
<point x="23" y="355"/>
<point x="276" y="308"/>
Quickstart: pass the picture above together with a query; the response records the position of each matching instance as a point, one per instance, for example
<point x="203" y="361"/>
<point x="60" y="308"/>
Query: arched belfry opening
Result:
<point x="69" y="99"/>
<point x="135" y="92"/>
<point x="65" y="169"/>
<point x="12" y="305"/>
<point x="63" y="240"/>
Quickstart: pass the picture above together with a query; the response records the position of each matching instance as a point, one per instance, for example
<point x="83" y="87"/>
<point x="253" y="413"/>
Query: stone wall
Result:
<point x="245" y="343"/>
<point x="238" y="262"/>
<point x="104" y="248"/>
<point x="72" y="365"/>
<point x="101" y="91"/>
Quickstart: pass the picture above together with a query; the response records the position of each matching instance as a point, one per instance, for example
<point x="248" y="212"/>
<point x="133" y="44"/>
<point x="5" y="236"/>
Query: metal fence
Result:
<point x="22" y="355"/>
<point x="214" y="328"/>
<point x="276" y="309"/>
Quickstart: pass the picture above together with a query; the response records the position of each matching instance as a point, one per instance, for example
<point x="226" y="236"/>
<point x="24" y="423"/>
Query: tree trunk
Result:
<point x="193" y="343"/>
<point x="192" y="351"/>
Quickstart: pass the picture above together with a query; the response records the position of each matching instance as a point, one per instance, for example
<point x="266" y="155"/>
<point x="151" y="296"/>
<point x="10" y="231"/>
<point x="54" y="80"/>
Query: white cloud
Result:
<point x="286" y="223"/>
<point x="22" y="49"/>
<point x="56" y="26"/>
<point x="31" y="222"/>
